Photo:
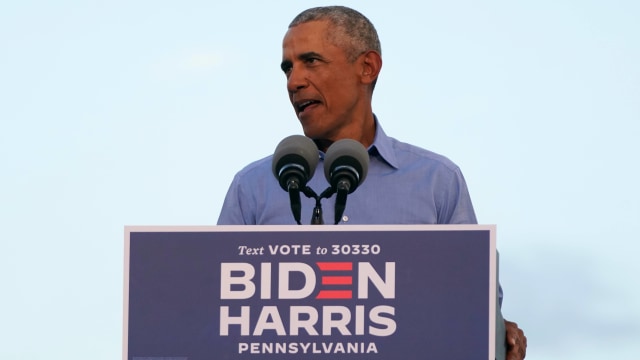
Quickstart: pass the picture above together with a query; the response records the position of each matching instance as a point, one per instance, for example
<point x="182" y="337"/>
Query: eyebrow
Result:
<point x="287" y="64"/>
<point x="310" y="55"/>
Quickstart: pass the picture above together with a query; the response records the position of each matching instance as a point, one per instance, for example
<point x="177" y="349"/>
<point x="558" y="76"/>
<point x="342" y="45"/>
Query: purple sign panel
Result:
<point x="309" y="292"/>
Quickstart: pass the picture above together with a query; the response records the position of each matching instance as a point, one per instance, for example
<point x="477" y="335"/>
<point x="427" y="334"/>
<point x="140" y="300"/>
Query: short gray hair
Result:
<point x="355" y="33"/>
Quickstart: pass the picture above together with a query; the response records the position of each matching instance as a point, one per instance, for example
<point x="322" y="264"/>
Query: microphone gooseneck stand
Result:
<point x="293" y="188"/>
<point x="316" y="218"/>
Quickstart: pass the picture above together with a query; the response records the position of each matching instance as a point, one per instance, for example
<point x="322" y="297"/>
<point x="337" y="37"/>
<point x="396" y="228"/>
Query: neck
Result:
<point x="365" y="135"/>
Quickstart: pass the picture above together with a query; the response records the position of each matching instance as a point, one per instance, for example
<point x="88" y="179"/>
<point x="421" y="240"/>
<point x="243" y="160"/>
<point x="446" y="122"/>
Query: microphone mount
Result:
<point x="316" y="218"/>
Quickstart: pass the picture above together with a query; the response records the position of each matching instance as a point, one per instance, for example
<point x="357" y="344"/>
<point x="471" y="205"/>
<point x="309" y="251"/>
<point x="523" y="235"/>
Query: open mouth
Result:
<point x="301" y="106"/>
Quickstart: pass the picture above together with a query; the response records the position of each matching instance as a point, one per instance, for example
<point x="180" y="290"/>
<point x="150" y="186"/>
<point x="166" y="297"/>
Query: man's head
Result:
<point x="331" y="57"/>
<point x="351" y="31"/>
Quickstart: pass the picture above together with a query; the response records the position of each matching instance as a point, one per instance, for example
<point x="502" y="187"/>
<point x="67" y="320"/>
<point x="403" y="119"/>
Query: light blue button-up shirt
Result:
<point x="404" y="185"/>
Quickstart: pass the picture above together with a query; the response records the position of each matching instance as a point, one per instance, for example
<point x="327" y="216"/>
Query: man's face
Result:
<point x="324" y="86"/>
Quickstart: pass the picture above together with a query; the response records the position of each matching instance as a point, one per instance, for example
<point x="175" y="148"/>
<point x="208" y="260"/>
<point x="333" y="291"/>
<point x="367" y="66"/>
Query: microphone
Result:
<point x="294" y="162"/>
<point x="345" y="167"/>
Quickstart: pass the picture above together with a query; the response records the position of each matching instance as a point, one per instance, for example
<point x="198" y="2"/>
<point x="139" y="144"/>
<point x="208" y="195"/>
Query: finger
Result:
<point x="518" y="350"/>
<point x="515" y="353"/>
<point x="523" y="348"/>
<point x="512" y="331"/>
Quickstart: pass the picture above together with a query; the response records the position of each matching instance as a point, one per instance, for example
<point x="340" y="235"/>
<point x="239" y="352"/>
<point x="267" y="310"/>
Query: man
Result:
<point x="332" y="59"/>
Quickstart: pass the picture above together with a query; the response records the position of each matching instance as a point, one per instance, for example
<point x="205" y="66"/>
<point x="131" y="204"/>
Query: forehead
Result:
<point x="311" y="36"/>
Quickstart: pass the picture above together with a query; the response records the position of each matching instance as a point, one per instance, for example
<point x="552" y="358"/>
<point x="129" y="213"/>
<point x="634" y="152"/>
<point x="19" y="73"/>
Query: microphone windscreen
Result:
<point x="347" y="153"/>
<point x="296" y="150"/>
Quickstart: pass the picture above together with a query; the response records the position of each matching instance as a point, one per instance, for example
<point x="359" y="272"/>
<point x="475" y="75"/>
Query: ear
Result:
<point x="371" y="65"/>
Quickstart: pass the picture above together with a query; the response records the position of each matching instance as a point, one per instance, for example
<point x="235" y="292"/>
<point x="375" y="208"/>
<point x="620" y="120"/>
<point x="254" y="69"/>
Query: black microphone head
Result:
<point x="346" y="159"/>
<point x="295" y="156"/>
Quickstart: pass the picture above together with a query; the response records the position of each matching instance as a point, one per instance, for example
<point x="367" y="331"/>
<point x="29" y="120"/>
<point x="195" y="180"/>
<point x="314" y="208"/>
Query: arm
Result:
<point x="231" y="213"/>
<point x="456" y="206"/>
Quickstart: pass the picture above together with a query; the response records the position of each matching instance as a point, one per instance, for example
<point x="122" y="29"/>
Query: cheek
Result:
<point x="338" y="86"/>
<point x="344" y="91"/>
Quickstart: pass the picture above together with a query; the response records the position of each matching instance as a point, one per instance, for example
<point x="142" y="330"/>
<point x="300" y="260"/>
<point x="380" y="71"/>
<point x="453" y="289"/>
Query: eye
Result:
<point x="286" y="67"/>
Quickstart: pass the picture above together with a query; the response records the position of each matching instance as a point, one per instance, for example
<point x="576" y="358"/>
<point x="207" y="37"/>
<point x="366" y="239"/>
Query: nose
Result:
<point x="296" y="80"/>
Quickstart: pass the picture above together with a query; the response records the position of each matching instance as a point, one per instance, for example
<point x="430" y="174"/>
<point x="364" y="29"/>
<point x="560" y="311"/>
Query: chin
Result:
<point x="310" y="132"/>
<point x="311" y="135"/>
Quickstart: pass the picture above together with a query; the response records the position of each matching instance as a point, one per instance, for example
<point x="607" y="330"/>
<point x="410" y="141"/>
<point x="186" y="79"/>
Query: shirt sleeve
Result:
<point x="232" y="212"/>
<point x="457" y="207"/>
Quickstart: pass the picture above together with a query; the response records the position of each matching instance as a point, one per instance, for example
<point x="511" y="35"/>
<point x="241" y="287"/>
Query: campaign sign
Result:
<point x="309" y="292"/>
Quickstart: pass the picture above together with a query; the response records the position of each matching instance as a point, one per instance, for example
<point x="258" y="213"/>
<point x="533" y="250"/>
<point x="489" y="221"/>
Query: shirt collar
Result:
<point x="382" y="146"/>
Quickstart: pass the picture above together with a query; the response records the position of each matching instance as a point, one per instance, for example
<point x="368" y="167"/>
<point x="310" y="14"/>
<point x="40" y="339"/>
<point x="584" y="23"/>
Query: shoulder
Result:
<point x="412" y="155"/>
<point x="258" y="167"/>
<point x="402" y="155"/>
<point x="255" y="176"/>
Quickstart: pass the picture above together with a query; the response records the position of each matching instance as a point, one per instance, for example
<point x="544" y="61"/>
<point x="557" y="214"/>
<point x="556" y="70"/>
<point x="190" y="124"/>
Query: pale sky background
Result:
<point x="117" y="113"/>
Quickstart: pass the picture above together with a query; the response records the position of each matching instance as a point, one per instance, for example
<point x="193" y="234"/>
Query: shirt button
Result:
<point x="345" y="218"/>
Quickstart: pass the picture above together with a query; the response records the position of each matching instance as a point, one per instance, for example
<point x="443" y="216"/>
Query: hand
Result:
<point x="516" y="341"/>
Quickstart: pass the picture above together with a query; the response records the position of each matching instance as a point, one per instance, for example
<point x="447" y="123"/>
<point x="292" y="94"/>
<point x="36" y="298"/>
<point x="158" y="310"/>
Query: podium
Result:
<point x="382" y="292"/>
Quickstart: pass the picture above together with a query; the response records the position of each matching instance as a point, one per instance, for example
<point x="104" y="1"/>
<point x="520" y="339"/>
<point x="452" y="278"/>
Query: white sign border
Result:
<point x="280" y="228"/>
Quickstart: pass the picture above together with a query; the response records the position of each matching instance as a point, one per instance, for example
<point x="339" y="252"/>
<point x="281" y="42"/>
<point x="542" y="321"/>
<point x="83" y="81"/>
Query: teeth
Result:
<point x="303" y="105"/>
